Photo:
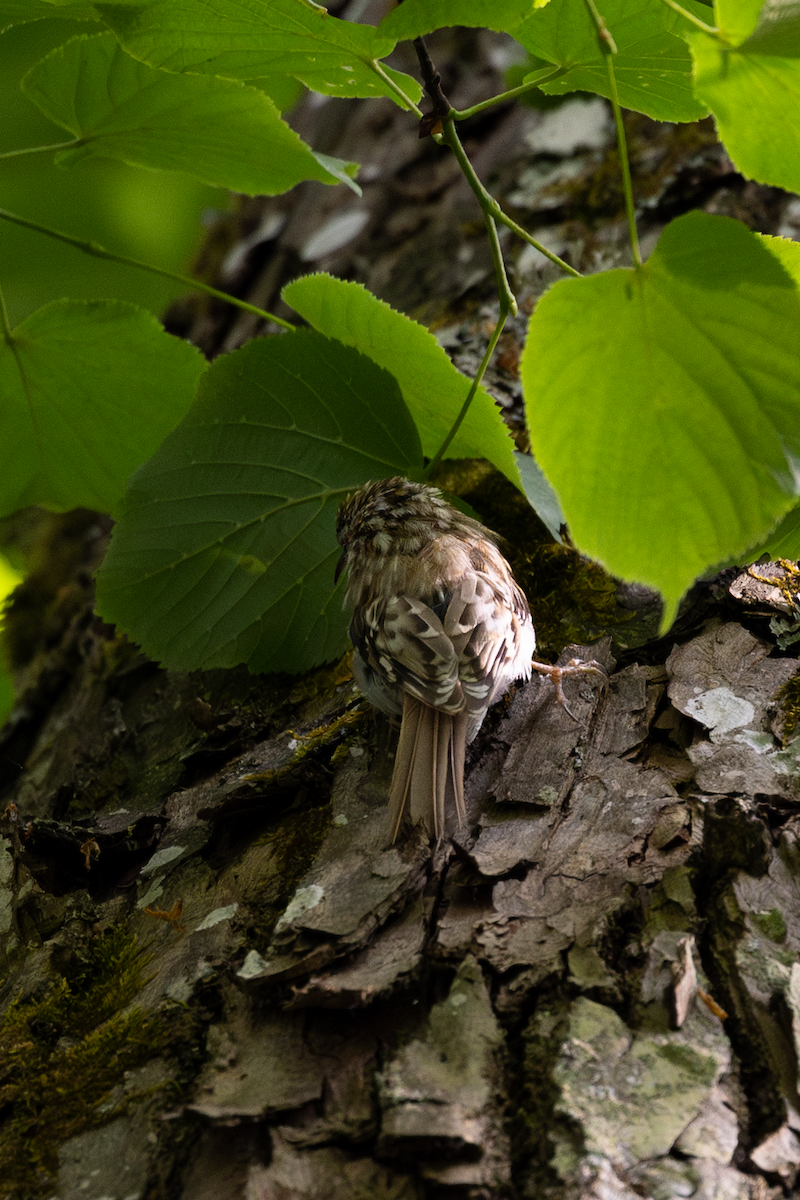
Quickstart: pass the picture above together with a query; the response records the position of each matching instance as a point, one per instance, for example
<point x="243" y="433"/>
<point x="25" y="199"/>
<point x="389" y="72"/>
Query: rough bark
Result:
<point x="219" y="980"/>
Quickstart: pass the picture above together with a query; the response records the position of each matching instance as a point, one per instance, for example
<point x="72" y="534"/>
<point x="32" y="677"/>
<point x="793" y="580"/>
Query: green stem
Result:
<point x="504" y="219"/>
<point x="374" y="65"/>
<point x="100" y="252"/>
<point x="460" y="114"/>
<point x="608" y="48"/>
<point x="606" y="40"/>
<point x="507" y="298"/>
<point x="493" y="340"/>
<point x="489" y="205"/>
<point x="712" y="29"/>
<point x="624" y="162"/>
<point x="40" y="149"/>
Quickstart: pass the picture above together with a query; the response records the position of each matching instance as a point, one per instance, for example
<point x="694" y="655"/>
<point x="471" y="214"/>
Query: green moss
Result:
<point x="771" y="924"/>
<point x="572" y="599"/>
<point x="64" y="1050"/>
<point x="692" y="1064"/>
<point x="295" y="844"/>
<point x="788" y="697"/>
<point x="541" y="1142"/>
<point x="672" y="903"/>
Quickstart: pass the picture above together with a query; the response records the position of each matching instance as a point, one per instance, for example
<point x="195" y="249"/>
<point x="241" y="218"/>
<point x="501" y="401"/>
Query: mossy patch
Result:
<point x="771" y="924"/>
<point x="536" y="1133"/>
<point x="788" y="698"/>
<point x="294" y="845"/>
<point x="62" y="1051"/>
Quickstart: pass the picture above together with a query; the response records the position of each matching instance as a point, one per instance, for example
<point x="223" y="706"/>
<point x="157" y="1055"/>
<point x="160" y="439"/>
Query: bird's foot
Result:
<point x="557" y="675"/>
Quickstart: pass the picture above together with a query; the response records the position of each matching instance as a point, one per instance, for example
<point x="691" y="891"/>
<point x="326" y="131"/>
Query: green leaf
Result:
<point x="783" y="541"/>
<point x="653" y="65"/>
<point x="754" y="93"/>
<point x="9" y="578"/>
<point x="664" y="403"/>
<point x="22" y="12"/>
<point x="786" y="251"/>
<point x="6" y="693"/>
<point x="216" y="130"/>
<point x="225" y="550"/>
<point x="283" y="90"/>
<point x="777" y="30"/>
<point x="736" y="19"/>
<point x="247" y="39"/>
<point x="87" y="392"/>
<point x="432" y="387"/>
<point x="540" y="495"/>
<point x="415" y="18"/>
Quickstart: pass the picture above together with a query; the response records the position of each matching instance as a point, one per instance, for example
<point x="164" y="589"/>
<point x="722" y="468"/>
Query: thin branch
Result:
<point x="100" y="252"/>
<point x="493" y="340"/>
<point x="386" y="78"/>
<point x="489" y="205"/>
<point x="608" y="48"/>
<point x="627" y="184"/>
<point x="444" y="114"/>
<point x="607" y="41"/>
<point x="432" y="81"/>
<point x="461" y="114"/>
<point x="489" y="208"/>
<point x="511" y="224"/>
<point x="712" y="29"/>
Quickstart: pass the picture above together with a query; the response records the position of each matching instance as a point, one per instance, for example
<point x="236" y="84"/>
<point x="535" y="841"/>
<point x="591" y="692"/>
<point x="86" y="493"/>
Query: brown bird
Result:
<point x="440" y="631"/>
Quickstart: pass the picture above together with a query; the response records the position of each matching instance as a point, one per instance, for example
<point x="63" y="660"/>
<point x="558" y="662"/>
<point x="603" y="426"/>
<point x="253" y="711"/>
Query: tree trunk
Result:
<point x="219" y="981"/>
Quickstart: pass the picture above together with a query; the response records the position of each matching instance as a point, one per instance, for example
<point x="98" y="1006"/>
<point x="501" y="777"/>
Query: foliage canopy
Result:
<point x="663" y="400"/>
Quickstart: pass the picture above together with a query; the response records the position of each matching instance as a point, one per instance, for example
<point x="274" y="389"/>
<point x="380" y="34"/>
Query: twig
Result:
<point x="493" y="340"/>
<point x="386" y="78"/>
<point x="712" y="29"/>
<point x="608" y="48"/>
<point x="490" y="207"/>
<point x="98" y="251"/>
<point x="432" y="81"/>
<point x="545" y="76"/>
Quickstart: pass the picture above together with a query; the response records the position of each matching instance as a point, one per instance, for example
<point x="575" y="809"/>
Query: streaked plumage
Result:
<point x="440" y="631"/>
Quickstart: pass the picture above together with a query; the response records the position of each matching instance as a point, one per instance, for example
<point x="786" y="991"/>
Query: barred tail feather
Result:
<point x="428" y="778"/>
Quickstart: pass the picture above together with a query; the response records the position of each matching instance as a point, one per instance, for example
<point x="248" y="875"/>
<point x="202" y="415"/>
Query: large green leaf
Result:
<point x="786" y="251"/>
<point x="783" y="541"/>
<point x="415" y="18"/>
<point x="540" y="495"/>
<point x="432" y="387"/>
<point x="22" y="12"/>
<point x="753" y="90"/>
<point x="217" y="130"/>
<point x="652" y="64"/>
<point x="664" y="403"/>
<point x="736" y="19"/>
<point x="247" y="39"/>
<point x="9" y="578"/>
<point x="87" y="392"/>
<point x="225" y="550"/>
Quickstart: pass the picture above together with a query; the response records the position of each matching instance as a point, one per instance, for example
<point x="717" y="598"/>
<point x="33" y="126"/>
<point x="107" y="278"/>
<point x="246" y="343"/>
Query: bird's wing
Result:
<point x="403" y="640"/>
<point x="490" y="636"/>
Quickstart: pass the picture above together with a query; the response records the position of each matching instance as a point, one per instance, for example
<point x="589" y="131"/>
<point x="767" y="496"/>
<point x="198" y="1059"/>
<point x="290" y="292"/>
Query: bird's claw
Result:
<point x="556" y="675"/>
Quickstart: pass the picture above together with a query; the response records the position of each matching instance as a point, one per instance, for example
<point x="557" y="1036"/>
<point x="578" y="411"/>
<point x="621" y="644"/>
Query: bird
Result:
<point x="440" y="631"/>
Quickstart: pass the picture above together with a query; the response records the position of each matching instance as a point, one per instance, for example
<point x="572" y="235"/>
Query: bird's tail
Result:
<point x="428" y="778"/>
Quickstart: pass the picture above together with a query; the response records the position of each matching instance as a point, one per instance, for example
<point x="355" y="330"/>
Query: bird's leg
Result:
<point x="556" y="675"/>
